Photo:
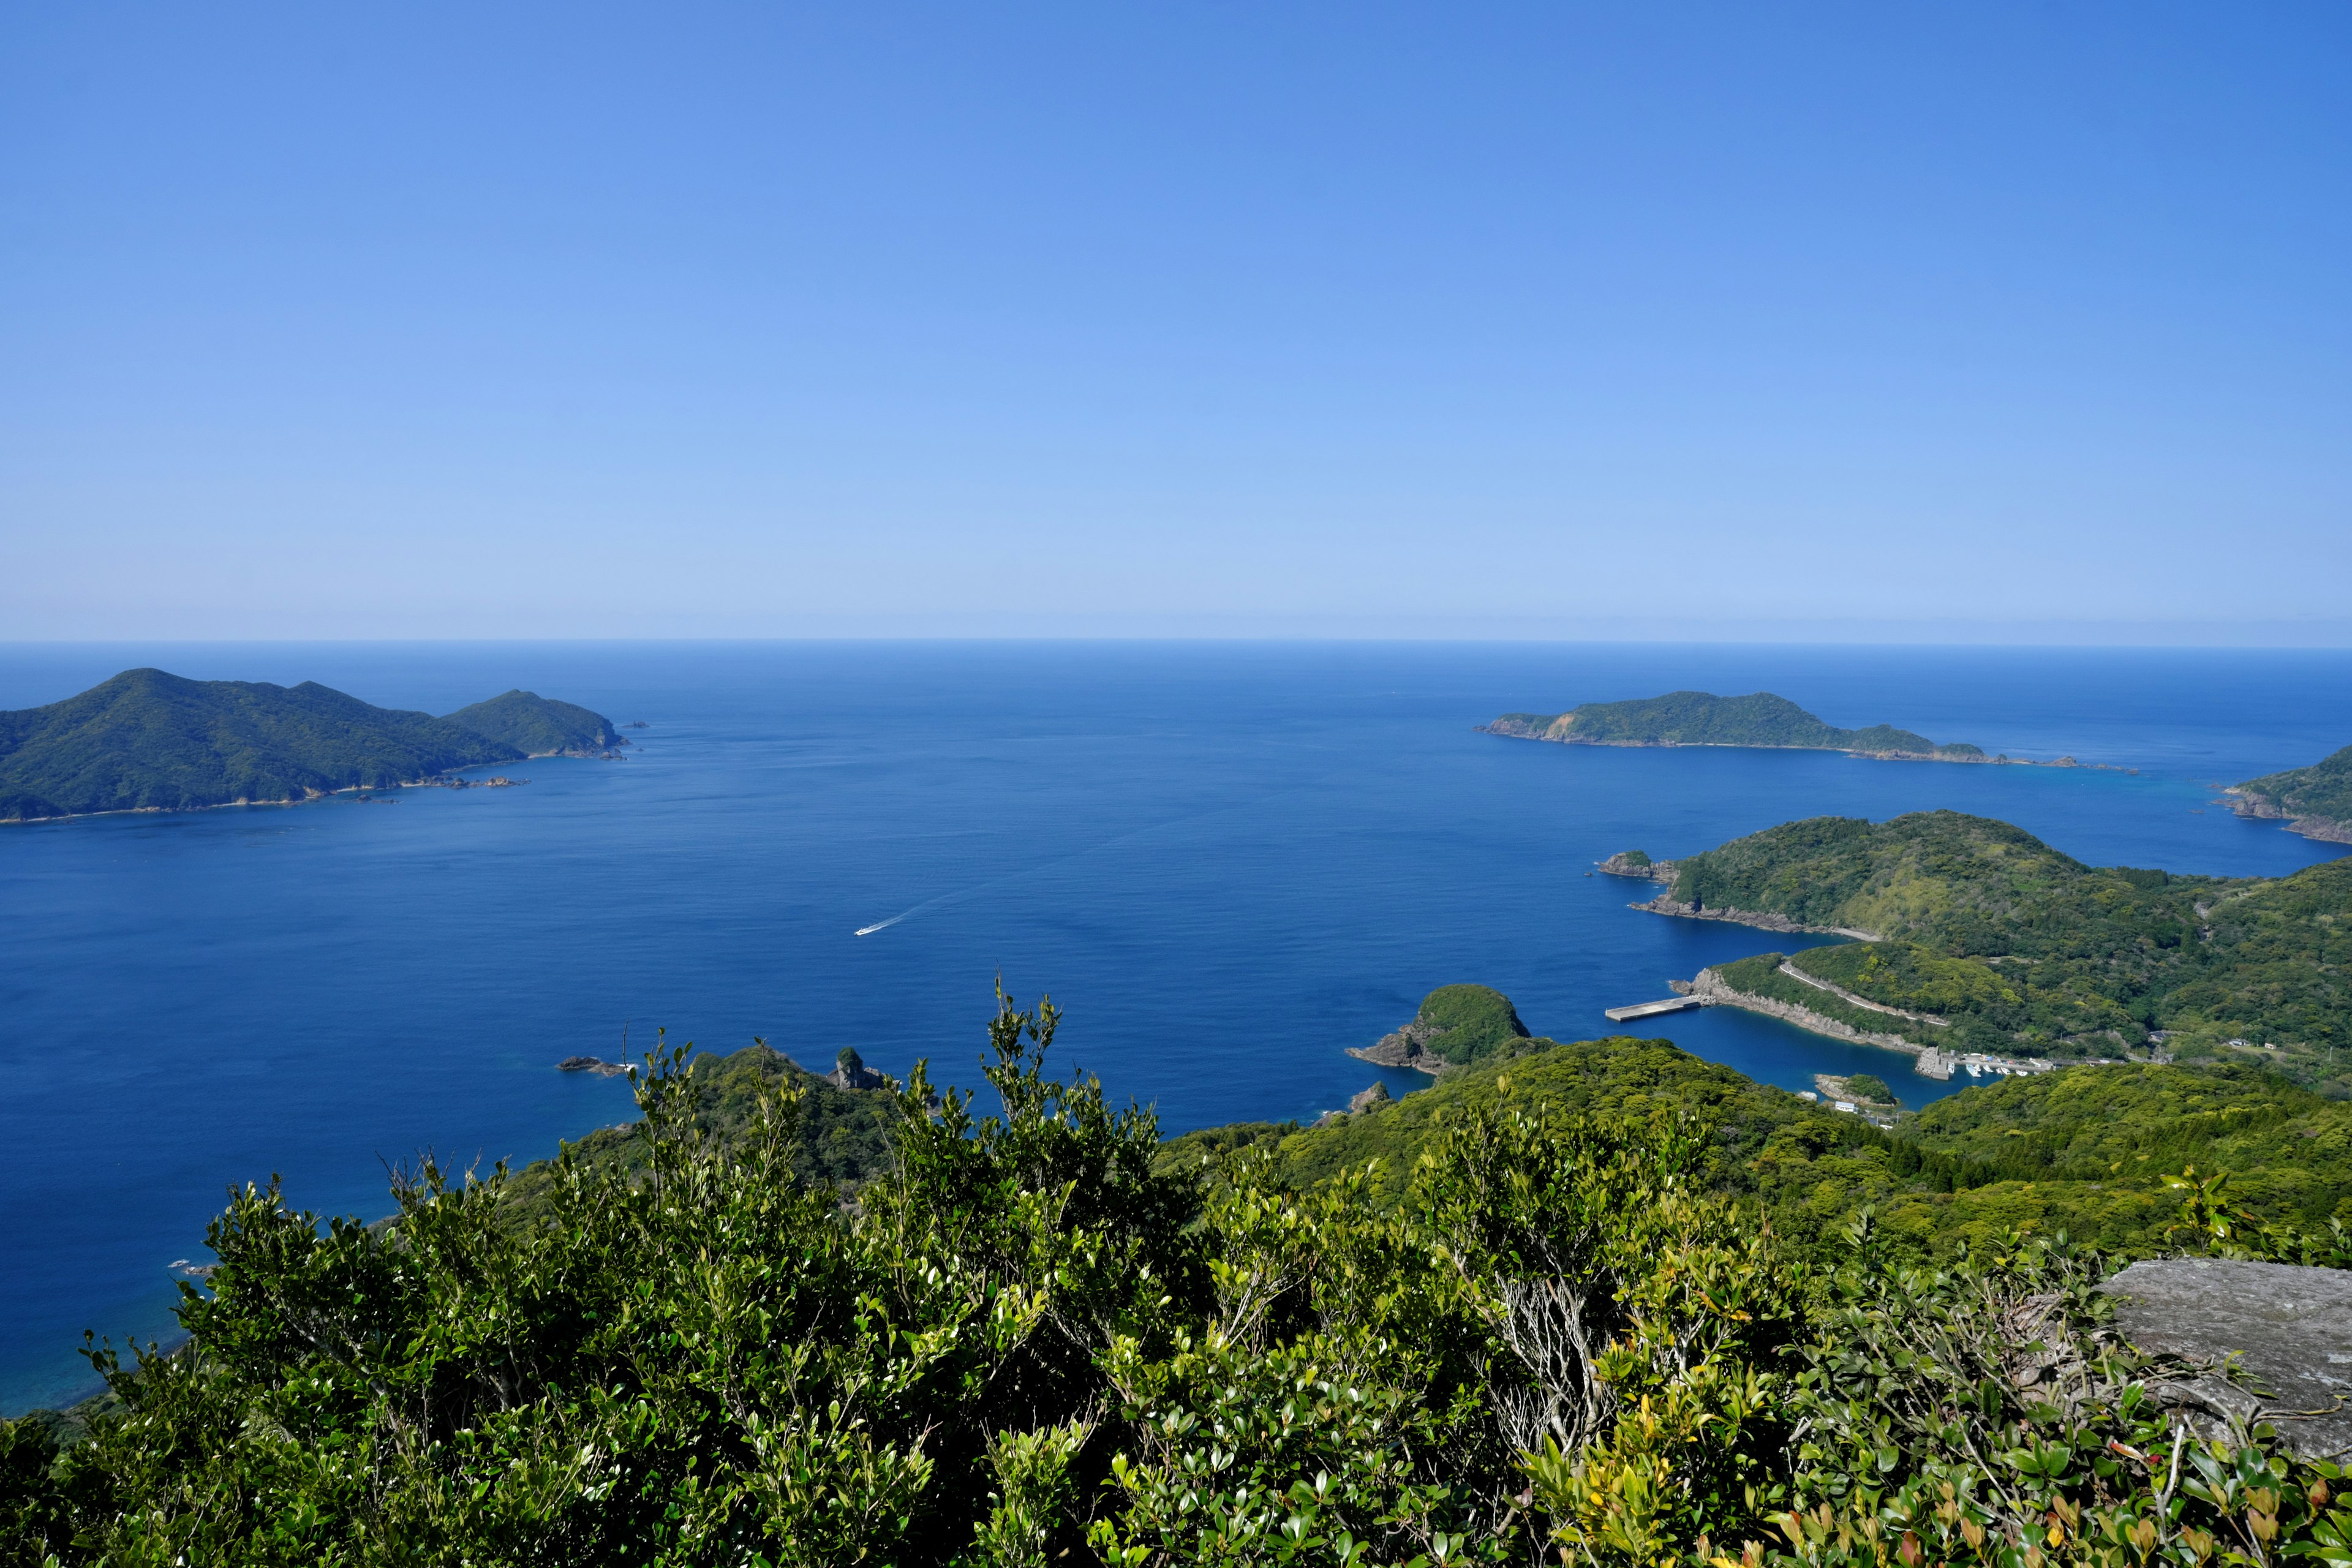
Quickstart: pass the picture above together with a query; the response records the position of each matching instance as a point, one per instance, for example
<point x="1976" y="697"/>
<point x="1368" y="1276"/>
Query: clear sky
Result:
<point x="1954" y="322"/>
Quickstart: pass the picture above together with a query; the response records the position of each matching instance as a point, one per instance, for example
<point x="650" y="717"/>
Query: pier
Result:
<point x="1651" y="1009"/>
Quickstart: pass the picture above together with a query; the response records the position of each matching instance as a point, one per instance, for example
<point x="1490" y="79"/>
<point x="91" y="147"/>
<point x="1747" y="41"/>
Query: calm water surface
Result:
<point x="1228" y="862"/>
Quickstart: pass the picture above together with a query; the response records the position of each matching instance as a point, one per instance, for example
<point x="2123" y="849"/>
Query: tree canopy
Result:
<point x="1571" y="1329"/>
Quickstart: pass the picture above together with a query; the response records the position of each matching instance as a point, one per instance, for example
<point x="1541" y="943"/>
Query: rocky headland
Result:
<point x="1637" y="863"/>
<point x="2262" y="807"/>
<point x="1405" y="1047"/>
<point x="592" y="1065"/>
<point x="1762" y="920"/>
<point x="1456" y="1025"/>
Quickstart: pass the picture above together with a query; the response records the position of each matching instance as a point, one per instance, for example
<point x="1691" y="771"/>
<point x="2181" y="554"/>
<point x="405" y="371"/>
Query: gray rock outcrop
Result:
<point x="1762" y="920"/>
<point x="1407" y="1048"/>
<point x="2290" y="1328"/>
<point x="850" y="1071"/>
<point x="592" y="1065"/>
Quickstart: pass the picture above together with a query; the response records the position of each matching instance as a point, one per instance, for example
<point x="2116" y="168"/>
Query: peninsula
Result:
<point x="1976" y="937"/>
<point x="1702" y="719"/>
<point x="148" y="740"/>
<point x="2315" y="801"/>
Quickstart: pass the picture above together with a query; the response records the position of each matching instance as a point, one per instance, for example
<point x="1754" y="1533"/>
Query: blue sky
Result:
<point x="1938" y="321"/>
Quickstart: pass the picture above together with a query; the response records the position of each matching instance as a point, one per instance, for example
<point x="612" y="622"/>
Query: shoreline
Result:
<point x="2002" y="762"/>
<point x="1667" y="904"/>
<point x="441" y="779"/>
<point x="2251" y="807"/>
<point x="1715" y="992"/>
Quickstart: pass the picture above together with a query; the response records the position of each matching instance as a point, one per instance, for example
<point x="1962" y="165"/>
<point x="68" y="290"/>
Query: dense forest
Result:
<point x="1593" y="1304"/>
<point x="2022" y="948"/>
<point x="1702" y="719"/>
<point x="148" y="741"/>
<point x="539" y="726"/>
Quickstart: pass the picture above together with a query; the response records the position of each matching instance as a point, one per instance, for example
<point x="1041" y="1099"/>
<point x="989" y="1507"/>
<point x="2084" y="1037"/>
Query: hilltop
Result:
<point x="539" y="726"/>
<point x="2005" y="943"/>
<point x="2316" y="801"/>
<point x="150" y="740"/>
<point x="1702" y="719"/>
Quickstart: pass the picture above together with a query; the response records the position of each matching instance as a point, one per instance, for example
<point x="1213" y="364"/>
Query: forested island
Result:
<point x="1597" y="1302"/>
<point x="148" y="740"/>
<point x="1980" y="937"/>
<point x="2315" y="801"/>
<point x="1702" y="719"/>
<point x="1454" y="1027"/>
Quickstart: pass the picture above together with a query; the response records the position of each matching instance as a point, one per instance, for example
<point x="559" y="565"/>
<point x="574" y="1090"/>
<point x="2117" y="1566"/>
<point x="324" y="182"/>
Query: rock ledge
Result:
<point x="2290" y="1327"/>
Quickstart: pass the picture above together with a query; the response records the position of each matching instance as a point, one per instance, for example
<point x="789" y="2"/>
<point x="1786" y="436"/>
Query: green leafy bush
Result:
<point x="1571" y="1331"/>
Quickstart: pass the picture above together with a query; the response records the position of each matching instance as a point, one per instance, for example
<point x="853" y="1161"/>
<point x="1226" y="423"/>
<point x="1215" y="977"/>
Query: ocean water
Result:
<point x="1227" y="861"/>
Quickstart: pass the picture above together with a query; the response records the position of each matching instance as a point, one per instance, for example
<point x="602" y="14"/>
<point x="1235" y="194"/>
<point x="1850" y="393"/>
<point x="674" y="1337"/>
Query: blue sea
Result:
<point x="1228" y="862"/>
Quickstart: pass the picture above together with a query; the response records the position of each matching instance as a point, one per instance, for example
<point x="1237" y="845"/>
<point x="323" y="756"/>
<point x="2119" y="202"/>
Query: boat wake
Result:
<point x="947" y="900"/>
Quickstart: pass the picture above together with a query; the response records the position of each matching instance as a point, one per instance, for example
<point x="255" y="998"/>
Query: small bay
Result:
<point x="1227" y="861"/>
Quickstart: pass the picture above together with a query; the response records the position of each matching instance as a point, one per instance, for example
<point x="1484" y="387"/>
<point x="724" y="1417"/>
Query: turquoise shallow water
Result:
<point x="1227" y="861"/>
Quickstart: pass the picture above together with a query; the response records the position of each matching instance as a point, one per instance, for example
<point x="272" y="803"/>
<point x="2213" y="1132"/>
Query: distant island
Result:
<point x="2315" y="801"/>
<point x="1702" y="719"/>
<point x="1976" y="937"/>
<point x="148" y="740"/>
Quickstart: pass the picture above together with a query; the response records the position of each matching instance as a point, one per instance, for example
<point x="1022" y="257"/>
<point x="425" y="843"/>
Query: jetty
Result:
<point x="1651" y="1009"/>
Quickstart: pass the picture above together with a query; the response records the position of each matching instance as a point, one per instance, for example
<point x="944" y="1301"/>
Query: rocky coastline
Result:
<point x="2255" y="807"/>
<point x="1762" y="920"/>
<point x="1404" y="1049"/>
<point x="1624" y="863"/>
<point x="1513" y="728"/>
<point x="592" y="1065"/>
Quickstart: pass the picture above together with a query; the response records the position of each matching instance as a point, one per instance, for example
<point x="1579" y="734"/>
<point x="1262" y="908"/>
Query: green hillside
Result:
<point x="148" y="741"/>
<point x="2024" y="949"/>
<point x="540" y="727"/>
<point x="841" y="1139"/>
<point x="1598" y="1303"/>
<point x="1702" y="719"/>
<point x="2323" y="789"/>
<point x="2083" y="1150"/>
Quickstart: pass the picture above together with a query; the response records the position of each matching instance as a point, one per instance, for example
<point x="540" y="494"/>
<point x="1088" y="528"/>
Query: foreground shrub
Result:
<point x="1024" y="1344"/>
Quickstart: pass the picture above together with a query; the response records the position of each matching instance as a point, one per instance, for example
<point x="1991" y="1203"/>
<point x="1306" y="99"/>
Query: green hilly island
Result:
<point x="148" y="740"/>
<point x="1702" y="719"/>
<point x="2011" y="945"/>
<point x="1454" y="1027"/>
<point x="2316" y="801"/>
